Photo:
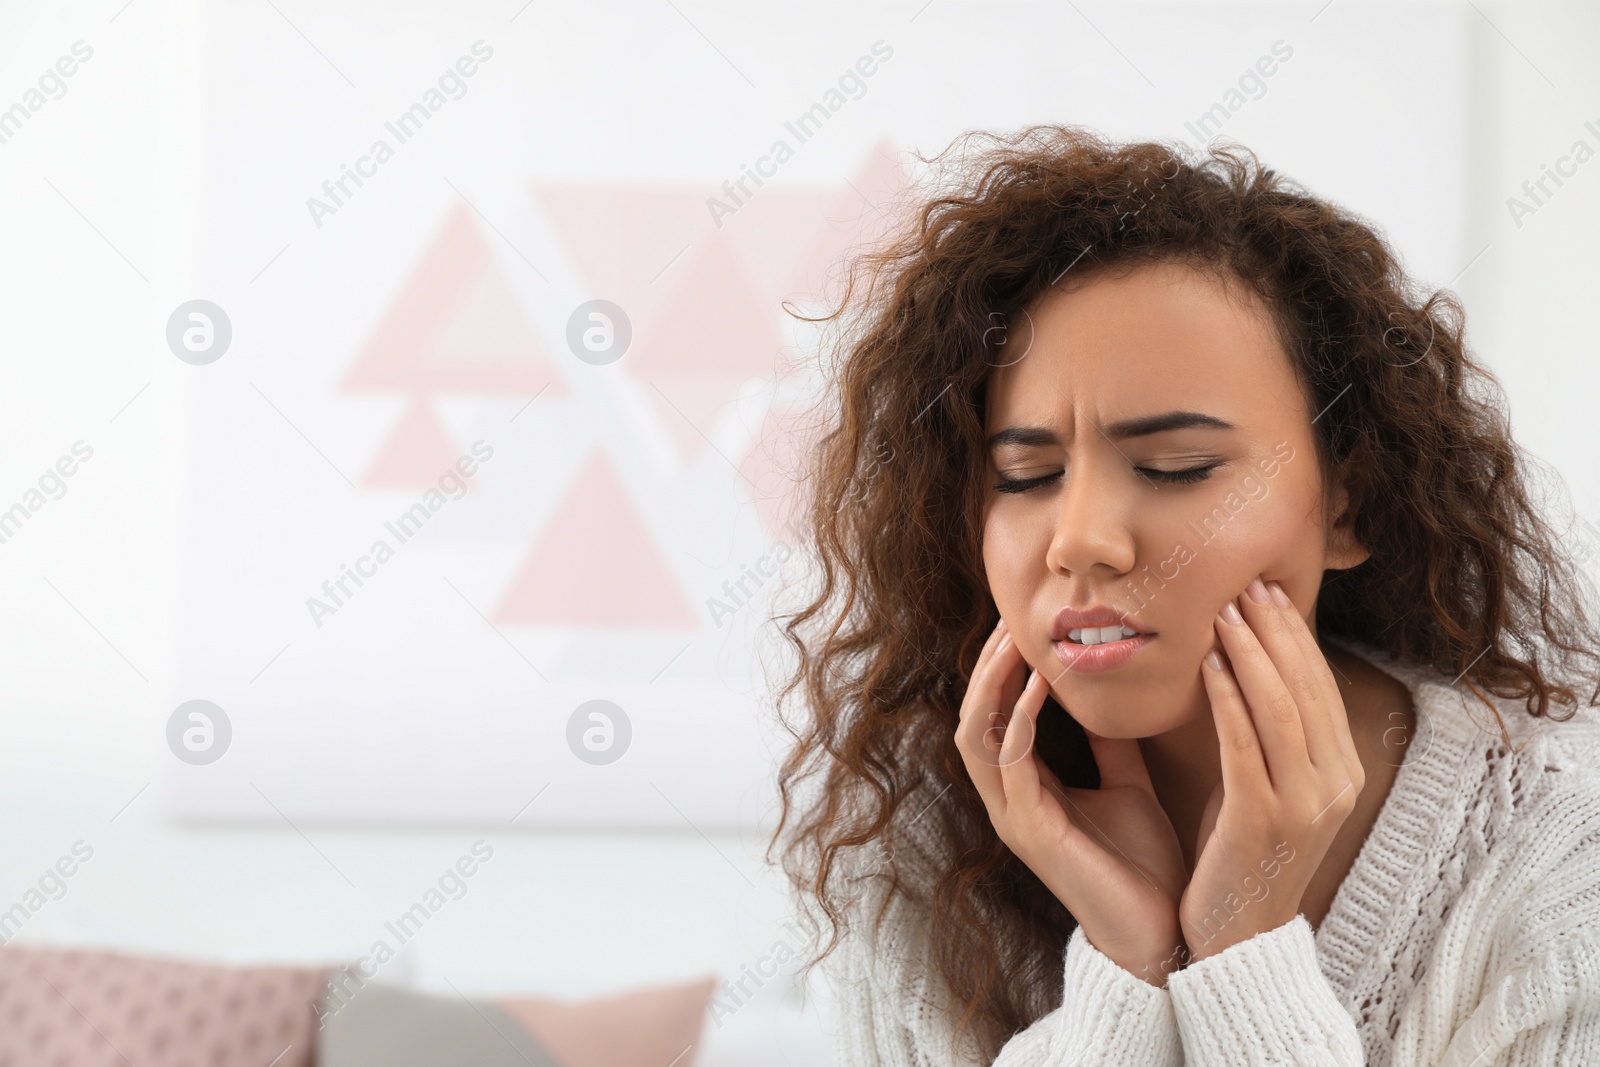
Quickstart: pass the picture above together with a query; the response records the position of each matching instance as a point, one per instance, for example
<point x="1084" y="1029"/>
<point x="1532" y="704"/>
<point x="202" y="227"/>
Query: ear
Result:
<point x="1341" y="550"/>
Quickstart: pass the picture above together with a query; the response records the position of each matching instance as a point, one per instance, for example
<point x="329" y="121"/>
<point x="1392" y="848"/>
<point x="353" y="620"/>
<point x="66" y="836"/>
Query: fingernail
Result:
<point x="1256" y="591"/>
<point x="1002" y="626"/>
<point x="1279" y="597"/>
<point x="1213" y="660"/>
<point x="1033" y="676"/>
<point x="1230" y="614"/>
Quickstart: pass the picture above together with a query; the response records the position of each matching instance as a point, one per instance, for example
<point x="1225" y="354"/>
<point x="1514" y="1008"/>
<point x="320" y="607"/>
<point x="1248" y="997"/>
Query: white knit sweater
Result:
<point x="1467" y="934"/>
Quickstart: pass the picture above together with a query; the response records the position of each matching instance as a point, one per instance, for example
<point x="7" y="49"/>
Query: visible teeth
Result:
<point x="1099" y="635"/>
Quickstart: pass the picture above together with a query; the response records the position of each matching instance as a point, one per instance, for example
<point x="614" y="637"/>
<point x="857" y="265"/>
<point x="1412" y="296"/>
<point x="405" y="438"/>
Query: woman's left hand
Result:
<point x="1290" y="774"/>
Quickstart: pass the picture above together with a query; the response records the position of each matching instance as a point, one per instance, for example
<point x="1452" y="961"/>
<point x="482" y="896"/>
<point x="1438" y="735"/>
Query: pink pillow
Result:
<point x="660" y="1025"/>
<point x="86" y="1009"/>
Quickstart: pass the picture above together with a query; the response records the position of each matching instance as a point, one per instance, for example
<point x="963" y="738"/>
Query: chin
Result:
<point x="1116" y="728"/>
<point x="1105" y="713"/>
<point x="1138" y="709"/>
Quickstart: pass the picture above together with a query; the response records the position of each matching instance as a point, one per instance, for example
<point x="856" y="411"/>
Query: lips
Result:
<point x="1069" y="619"/>
<point x="1096" y="639"/>
<point x="1092" y="659"/>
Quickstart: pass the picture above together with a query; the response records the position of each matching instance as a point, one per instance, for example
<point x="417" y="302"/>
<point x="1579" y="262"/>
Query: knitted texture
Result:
<point x="1466" y="934"/>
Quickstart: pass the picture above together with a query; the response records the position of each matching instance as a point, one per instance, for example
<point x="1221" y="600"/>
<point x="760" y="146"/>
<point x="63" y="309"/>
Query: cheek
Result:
<point x="1274" y="534"/>
<point x="1008" y="552"/>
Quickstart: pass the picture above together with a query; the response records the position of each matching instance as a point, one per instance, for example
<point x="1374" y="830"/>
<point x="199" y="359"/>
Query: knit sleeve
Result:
<point x="1264" y="1002"/>
<point x="1108" y="1016"/>
<point x="1544" y="1011"/>
<point x="1539" y="1002"/>
<point x="858" y="1039"/>
<point x="888" y="1016"/>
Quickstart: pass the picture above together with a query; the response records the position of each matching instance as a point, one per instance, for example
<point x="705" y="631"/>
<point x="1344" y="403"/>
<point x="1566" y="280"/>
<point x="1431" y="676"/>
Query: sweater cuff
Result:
<point x="1263" y="1001"/>
<point x="1111" y="1016"/>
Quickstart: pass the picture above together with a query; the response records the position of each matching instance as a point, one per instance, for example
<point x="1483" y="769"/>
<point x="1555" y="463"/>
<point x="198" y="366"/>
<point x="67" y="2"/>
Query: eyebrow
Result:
<point x="1143" y="426"/>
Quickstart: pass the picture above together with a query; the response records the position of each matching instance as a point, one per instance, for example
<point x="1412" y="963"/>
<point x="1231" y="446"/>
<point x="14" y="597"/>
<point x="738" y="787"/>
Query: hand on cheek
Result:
<point x="1110" y="854"/>
<point x="1290" y="773"/>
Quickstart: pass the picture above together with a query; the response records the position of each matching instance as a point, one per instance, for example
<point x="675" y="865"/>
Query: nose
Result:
<point x="1093" y="527"/>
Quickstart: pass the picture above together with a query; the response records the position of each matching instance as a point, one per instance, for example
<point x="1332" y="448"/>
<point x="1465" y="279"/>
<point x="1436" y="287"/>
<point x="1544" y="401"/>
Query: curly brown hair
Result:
<point x="1465" y="573"/>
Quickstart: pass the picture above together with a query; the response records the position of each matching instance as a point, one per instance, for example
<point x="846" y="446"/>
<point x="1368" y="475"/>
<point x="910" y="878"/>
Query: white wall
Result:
<point x="105" y="185"/>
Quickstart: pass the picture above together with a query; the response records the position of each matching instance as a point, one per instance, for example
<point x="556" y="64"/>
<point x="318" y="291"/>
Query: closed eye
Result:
<point x="1178" y="477"/>
<point x="1022" y="485"/>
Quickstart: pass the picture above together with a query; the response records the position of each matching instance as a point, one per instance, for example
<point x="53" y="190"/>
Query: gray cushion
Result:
<point x="379" y="1024"/>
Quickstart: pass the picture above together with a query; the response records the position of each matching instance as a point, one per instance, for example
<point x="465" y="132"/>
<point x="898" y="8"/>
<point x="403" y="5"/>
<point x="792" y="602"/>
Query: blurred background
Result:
<point x="397" y="425"/>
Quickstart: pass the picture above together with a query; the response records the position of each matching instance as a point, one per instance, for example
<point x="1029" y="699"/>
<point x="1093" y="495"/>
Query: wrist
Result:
<point x="1153" y="968"/>
<point x="1234" y="934"/>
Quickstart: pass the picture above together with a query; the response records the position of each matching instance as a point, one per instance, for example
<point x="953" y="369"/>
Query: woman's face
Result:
<point x="1156" y="453"/>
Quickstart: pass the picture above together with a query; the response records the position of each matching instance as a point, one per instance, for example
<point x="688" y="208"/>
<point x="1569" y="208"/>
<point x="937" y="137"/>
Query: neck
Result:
<point x="1185" y="766"/>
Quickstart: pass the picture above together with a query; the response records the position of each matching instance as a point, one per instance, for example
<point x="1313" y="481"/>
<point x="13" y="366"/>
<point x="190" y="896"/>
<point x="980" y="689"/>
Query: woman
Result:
<point x="1192" y="678"/>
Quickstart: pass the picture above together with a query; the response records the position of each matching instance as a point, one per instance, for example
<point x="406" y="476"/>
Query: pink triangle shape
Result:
<point x="685" y="409"/>
<point x="455" y="298"/>
<point x="417" y="452"/>
<point x="620" y="238"/>
<point x="771" y="475"/>
<point x="487" y="326"/>
<point x="858" y="217"/>
<point x="771" y="233"/>
<point x="487" y="347"/>
<point x="714" y="325"/>
<point x="595" y="563"/>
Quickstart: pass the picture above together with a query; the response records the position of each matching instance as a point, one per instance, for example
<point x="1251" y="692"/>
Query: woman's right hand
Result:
<point x="1110" y="855"/>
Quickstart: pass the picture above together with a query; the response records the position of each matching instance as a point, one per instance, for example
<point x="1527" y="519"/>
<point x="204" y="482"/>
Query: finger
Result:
<point x="1308" y="681"/>
<point x="1048" y="779"/>
<point x="1270" y="703"/>
<point x="985" y="715"/>
<point x="1019" y="771"/>
<point x="1027" y="779"/>
<point x="984" y="656"/>
<point x="985" y="709"/>
<point x="1237" y="742"/>
<point x="1011" y="674"/>
<point x="981" y="767"/>
<point x="995" y="634"/>
<point x="1338" y="715"/>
